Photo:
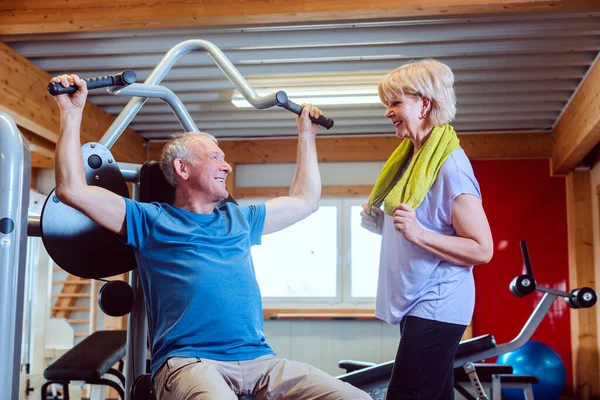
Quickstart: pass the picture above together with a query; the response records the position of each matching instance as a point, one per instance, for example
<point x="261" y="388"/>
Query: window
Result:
<point x="300" y="261"/>
<point x="328" y="257"/>
<point x="364" y="257"/>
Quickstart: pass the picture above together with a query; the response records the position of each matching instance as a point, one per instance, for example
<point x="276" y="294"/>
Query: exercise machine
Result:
<point x="375" y="378"/>
<point x="74" y="242"/>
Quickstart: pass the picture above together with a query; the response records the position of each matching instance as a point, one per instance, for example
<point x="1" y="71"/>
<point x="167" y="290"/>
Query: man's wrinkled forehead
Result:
<point x="207" y="146"/>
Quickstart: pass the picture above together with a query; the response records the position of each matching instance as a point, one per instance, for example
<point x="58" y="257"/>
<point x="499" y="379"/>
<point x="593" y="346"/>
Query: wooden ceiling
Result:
<point x="573" y="69"/>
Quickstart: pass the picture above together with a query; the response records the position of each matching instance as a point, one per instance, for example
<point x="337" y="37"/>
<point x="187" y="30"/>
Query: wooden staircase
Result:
<point x="66" y="300"/>
<point x="65" y="305"/>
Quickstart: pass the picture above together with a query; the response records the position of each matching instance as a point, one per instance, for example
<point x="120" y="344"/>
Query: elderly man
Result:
<point x="195" y="264"/>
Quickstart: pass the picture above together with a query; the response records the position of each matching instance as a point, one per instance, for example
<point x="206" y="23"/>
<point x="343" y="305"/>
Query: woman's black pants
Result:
<point x="424" y="364"/>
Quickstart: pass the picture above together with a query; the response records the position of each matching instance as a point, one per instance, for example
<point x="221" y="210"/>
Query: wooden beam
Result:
<point x="593" y="157"/>
<point x="42" y="150"/>
<point x="24" y="97"/>
<point x="23" y="17"/>
<point x="509" y="145"/>
<point x="376" y="148"/>
<point x="230" y="182"/>
<point x="584" y="339"/>
<point x="276" y="191"/>
<point x="38" y="144"/>
<point x="578" y="129"/>
<point x="379" y="148"/>
<point x="40" y="161"/>
<point x="33" y="178"/>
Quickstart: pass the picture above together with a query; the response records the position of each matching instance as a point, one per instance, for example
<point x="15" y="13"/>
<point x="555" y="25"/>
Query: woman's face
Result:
<point x="406" y="114"/>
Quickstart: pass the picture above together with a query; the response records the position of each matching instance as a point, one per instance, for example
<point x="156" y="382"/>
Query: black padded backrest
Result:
<point x="89" y="359"/>
<point x="154" y="187"/>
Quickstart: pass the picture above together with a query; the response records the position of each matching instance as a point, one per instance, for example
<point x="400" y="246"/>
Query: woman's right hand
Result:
<point x="370" y="222"/>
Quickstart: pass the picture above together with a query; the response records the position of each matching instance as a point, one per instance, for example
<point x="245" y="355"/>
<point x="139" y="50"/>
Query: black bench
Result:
<point x="368" y="375"/>
<point x="88" y="362"/>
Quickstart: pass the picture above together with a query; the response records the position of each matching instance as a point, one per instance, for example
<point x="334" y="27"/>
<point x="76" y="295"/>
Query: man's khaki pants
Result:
<point x="267" y="378"/>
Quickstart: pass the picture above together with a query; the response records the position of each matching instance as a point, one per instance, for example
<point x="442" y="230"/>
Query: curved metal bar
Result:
<point x="159" y="92"/>
<point x="131" y="172"/>
<point x="164" y="66"/>
<point x="528" y="330"/>
<point x="556" y="292"/>
<point x="222" y="62"/>
<point x="122" y="121"/>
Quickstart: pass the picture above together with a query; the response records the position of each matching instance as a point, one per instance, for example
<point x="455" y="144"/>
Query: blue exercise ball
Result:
<point x="539" y="360"/>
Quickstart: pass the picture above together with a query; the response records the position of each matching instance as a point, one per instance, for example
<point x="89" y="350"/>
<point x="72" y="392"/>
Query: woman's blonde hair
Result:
<point x="427" y="78"/>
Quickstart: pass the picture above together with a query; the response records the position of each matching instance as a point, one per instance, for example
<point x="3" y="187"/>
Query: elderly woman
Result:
<point x="433" y="228"/>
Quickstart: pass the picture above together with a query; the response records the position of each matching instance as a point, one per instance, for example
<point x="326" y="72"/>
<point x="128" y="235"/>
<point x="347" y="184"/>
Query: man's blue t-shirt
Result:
<point x="198" y="278"/>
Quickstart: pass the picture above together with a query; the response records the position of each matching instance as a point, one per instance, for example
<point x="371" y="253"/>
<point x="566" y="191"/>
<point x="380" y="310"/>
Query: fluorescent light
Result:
<point x="319" y="95"/>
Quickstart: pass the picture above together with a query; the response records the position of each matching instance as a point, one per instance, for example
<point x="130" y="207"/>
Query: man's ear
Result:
<point x="180" y="168"/>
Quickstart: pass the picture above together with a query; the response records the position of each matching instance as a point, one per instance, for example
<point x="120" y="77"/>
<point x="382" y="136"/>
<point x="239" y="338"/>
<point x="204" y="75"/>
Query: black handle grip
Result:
<point x="124" y="78"/>
<point x="526" y="260"/>
<point x="283" y="101"/>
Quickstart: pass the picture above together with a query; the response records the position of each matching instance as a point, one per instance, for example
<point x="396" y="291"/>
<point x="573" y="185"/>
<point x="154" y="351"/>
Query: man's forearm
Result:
<point x="307" y="183"/>
<point x="70" y="174"/>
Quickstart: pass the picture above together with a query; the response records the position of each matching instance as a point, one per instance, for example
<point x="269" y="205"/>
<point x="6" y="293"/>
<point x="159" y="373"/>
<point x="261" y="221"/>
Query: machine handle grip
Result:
<point x="283" y="101"/>
<point x="526" y="259"/>
<point x="124" y="78"/>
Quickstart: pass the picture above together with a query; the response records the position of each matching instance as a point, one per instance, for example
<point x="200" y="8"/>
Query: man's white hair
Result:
<point x="177" y="147"/>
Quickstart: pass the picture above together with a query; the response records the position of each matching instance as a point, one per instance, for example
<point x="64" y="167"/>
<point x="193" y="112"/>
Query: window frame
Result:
<point x="343" y="298"/>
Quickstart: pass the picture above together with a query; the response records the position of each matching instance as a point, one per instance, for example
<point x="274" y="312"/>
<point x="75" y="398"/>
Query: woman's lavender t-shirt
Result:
<point x="413" y="281"/>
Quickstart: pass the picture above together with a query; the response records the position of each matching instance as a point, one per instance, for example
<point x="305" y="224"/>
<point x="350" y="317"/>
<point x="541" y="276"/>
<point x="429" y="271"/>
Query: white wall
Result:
<point x="332" y="173"/>
<point x="324" y="343"/>
<point x="45" y="180"/>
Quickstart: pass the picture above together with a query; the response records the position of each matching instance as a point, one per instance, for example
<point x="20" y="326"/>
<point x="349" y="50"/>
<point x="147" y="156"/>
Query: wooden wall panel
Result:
<point x="584" y="338"/>
<point x="24" y="97"/>
<point x="377" y="148"/>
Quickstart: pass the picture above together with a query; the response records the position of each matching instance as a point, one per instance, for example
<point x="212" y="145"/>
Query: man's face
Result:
<point x="208" y="170"/>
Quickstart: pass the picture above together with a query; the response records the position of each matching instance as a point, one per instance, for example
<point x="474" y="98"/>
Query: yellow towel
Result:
<point x="420" y="174"/>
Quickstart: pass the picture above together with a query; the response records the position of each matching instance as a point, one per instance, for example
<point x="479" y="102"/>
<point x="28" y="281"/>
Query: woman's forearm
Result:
<point x="455" y="249"/>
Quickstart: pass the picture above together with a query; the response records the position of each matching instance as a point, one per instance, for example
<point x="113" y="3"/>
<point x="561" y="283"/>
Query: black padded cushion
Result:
<point x="518" y="379"/>
<point x="154" y="187"/>
<point x="89" y="359"/>
<point x="353" y="365"/>
<point x="369" y="375"/>
<point x="475" y="345"/>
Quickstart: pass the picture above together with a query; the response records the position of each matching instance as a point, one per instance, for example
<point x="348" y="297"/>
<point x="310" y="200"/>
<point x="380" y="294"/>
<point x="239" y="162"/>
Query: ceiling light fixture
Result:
<point x="318" y="95"/>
